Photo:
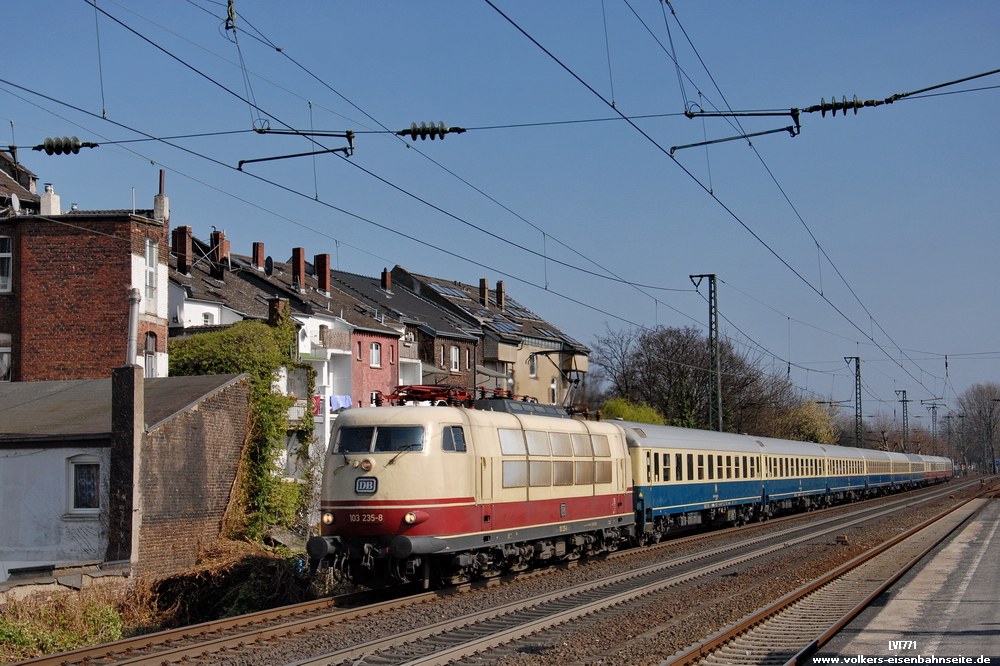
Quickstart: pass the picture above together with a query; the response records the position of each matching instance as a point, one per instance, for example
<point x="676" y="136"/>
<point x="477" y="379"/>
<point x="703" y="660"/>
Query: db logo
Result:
<point x="365" y="485"/>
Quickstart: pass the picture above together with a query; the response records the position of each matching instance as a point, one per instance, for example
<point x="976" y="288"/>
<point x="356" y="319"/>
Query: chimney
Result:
<point x="484" y="292"/>
<point x="220" y="246"/>
<point x="127" y="430"/>
<point x="299" y="268"/>
<point x="321" y="264"/>
<point x="182" y="249"/>
<point x="386" y="280"/>
<point x="50" y="202"/>
<point x="258" y="256"/>
<point x="501" y="296"/>
<point x="277" y="311"/>
<point x="161" y="205"/>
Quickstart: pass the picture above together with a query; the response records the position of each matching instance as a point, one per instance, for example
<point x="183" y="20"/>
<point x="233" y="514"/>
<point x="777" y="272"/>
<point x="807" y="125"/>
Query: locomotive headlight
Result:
<point x="415" y="517"/>
<point x="327" y="518"/>
<point x="366" y="465"/>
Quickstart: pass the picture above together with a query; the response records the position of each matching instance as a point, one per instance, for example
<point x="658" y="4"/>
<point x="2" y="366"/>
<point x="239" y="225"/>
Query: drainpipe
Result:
<point x="133" y="326"/>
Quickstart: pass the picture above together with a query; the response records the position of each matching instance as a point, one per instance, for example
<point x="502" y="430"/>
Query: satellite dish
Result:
<point x="268" y="266"/>
<point x="15" y="203"/>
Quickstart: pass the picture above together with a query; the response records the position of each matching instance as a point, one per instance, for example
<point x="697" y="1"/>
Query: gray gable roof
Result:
<point x="406" y="306"/>
<point x="513" y="320"/>
<point x="80" y="409"/>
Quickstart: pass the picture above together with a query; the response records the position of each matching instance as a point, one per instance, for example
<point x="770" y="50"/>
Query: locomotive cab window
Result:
<point x="363" y="439"/>
<point x="453" y="438"/>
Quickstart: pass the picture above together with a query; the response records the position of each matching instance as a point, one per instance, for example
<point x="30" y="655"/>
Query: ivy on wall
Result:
<point x="260" y="350"/>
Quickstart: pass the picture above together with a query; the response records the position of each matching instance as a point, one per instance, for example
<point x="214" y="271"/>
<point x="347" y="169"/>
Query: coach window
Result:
<point x="711" y="474"/>
<point x="649" y="467"/>
<point x="515" y="473"/>
<point x="453" y="438"/>
<point x="540" y="473"/>
<point x="729" y="467"/>
<point x="538" y="443"/>
<point x="561" y="444"/>
<point x="602" y="471"/>
<point x="678" y="458"/>
<point x="690" y="467"/>
<point x="753" y="467"/>
<point x="582" y="446"/>
<point x="745" y="467"/>
<point x="562" y="473"/>
<point x="666" y="466"/>
<point x="511" y="442"/>
<point x="656" y="467"/>
<point x="718" y="463"/>
<point x="602" y="447"/>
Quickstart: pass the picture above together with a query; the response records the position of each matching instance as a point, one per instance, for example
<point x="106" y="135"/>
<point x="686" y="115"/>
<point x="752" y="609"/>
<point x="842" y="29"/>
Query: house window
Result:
<point x="532" y="365"/>
<point x="376" y="355"/>
<point x="359" y="351"/>
<point x="6" y="263"/>
<point x="150" y="355"/>
<point x="392" y="354"/>
<point x="152" y="259"/>
<point x="84" y="491"/>
<point x="207" y="318"/>
<point x="5" y="360"/>
<point x="443" y="357"/>
<point x="456" y="359"/>
<point x="468" y="359"/>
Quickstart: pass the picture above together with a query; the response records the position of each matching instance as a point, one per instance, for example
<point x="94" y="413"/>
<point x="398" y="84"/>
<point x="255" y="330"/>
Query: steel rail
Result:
<point x="460" y="637"/>
<point x="197" y="640"/>
<point x="759" y="621"/>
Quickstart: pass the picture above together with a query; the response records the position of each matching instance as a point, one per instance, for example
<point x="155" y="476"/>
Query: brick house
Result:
<point x="128" y="473"/>
<point x="353" y="347"/>
<point x="65" y="281"/>
<point x="520" y="351"/>
<point x="445" y="344"/>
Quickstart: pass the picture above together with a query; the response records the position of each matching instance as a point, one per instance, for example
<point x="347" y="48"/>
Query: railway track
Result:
<point x="795" y="626"/>
<point x="461" y="636"/>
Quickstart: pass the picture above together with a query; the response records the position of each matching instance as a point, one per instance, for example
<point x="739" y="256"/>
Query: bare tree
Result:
<point x="668" y="370"/>
<point x="980" y="405"/>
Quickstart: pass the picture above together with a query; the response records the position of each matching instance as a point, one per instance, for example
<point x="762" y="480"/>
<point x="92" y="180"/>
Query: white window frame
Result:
<point x="532" y="365"/>
<point x="72" y="464"/>
<point x="150" y="264"/>
<point x="456" y="359"/>
<point x="6" y="361"/>
<point x="6" y="264"/>
<point x="375" y="358"/>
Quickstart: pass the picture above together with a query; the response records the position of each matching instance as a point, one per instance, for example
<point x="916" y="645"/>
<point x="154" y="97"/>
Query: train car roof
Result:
<point x="421" y="414"/>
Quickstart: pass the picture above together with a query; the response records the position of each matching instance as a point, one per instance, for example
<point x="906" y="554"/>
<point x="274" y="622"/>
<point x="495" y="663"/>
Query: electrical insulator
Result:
<point x="843" y="105"/>
<point x="65" y="145"/>
<point x="423" y="130"/>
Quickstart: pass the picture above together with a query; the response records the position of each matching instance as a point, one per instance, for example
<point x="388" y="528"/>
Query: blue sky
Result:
<point x="871" y="235"/>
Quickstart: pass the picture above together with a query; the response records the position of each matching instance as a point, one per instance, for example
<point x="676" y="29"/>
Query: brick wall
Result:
<point x="68" y="311"/>
<point x="364" y="377"/>
<point x="187" y="470"/>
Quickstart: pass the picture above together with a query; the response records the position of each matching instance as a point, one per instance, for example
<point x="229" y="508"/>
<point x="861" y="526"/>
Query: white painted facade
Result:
<point x="39" y="524"/>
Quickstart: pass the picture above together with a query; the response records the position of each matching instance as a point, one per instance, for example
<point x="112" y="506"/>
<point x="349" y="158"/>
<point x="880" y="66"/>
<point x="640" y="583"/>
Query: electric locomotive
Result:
<point x="444" y="494"/>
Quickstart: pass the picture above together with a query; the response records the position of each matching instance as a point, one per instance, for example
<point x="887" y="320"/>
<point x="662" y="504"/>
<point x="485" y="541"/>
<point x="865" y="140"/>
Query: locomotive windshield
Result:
<point x="364" y="439"/>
